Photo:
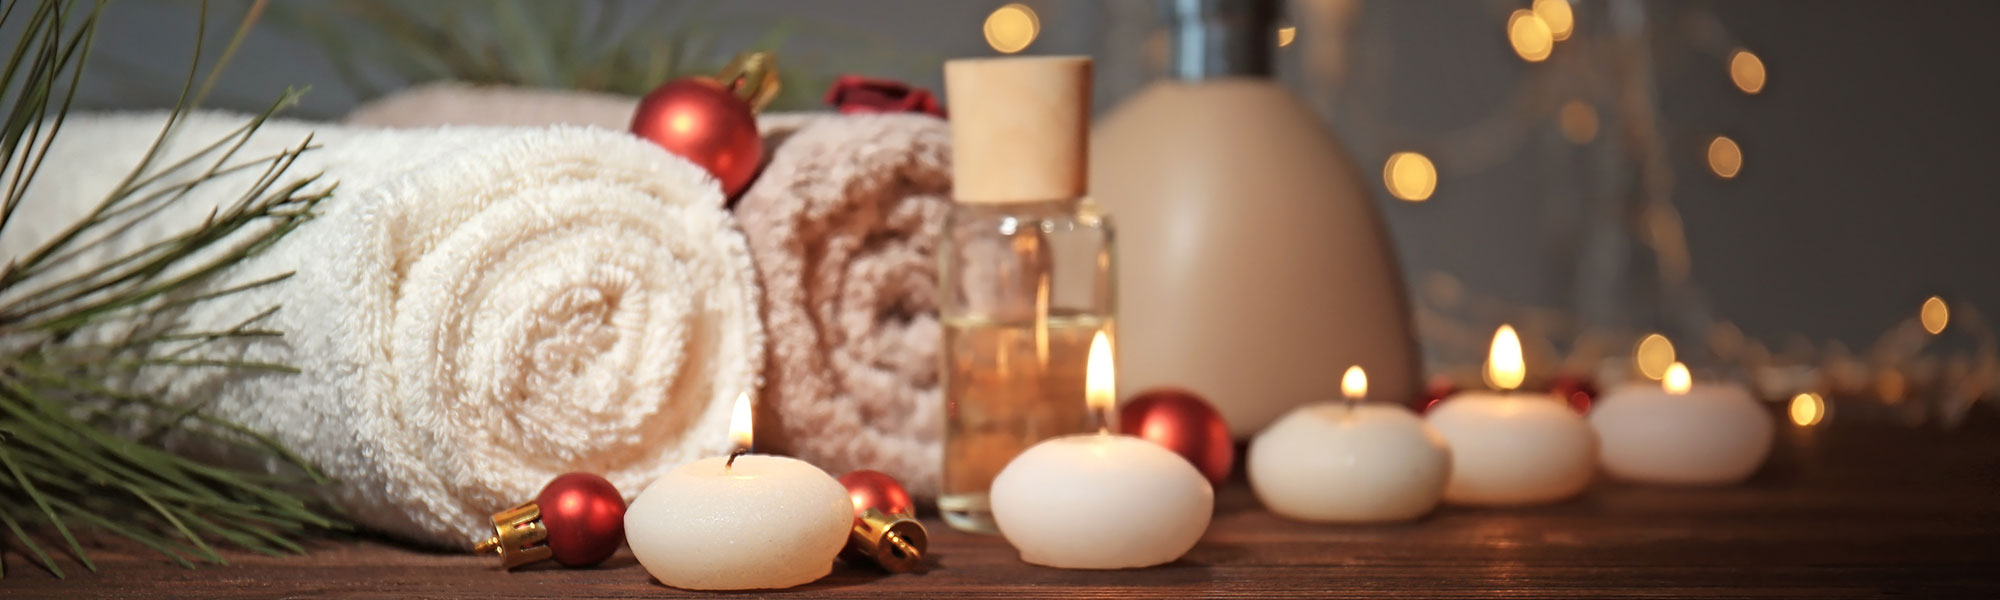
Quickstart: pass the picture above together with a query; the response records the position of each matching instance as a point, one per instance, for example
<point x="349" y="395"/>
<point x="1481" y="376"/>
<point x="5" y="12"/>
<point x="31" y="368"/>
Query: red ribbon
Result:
<point x="852" y="94"/>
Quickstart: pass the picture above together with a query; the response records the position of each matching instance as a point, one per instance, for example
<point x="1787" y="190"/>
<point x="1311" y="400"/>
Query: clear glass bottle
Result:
<point x="1026" y="272"/>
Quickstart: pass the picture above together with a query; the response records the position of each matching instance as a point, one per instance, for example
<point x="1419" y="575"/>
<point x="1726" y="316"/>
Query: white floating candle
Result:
<point x="750" y="521"/>
<point x="1099" y="500"/>
<point x="1349" y="462"/>
<point x="1679" y="433"/>
<point x="1512" y="448"/>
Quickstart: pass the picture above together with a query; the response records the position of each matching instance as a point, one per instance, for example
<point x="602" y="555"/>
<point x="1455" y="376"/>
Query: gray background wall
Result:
<point x="1869" y="155"/>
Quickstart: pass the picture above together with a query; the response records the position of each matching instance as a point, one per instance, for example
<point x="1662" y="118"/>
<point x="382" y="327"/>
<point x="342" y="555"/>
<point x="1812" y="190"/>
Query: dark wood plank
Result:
<point x="1840" y="513"/>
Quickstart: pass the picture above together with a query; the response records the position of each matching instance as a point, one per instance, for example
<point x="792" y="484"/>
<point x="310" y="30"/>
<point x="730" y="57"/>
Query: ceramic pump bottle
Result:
<point x="1253" y="266"/>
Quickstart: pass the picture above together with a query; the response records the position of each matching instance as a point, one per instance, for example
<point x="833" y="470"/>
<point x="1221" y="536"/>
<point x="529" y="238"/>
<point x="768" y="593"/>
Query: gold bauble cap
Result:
<point x="1020" y="128"/>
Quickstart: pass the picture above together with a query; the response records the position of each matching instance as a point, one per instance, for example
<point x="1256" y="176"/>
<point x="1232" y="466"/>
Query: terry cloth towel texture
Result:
<point x="474" y="311"/>
<point x="843" y="223"/>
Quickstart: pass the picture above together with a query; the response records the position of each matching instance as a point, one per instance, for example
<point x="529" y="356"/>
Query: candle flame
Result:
<point x="1504" y="366"/>
<point x="1354" y="384"/>
<point x="739" y="424"/>
<point x="1677" y="381"/>
<point x="1100" y="379"/>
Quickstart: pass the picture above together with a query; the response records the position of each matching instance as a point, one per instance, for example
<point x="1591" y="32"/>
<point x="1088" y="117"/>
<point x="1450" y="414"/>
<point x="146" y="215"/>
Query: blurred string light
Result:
<point x="1578" y="120"/>
<point x="1286" y="35"/>
<point x="1935" y="315"/>
<point x="1530" y="36"/>
<point x="1807" y="409"/>
<point x="1725" y="158"/>
<point x="1410" y="176"/>
<point x="1747" y="71"/>
<point x="1011" y="28"/>
<point x="1556" y="14"/>
<point x="1654" y="355"/>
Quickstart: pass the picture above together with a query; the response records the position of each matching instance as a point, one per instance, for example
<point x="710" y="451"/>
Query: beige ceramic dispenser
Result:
<point x="1253" y="266"/>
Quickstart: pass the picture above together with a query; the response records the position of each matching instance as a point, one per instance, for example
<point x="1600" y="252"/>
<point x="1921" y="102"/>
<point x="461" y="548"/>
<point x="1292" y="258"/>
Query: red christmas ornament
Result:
<point x="877" y="490"/>
<point x="578" y="519"/>
<point x="1576" y="390"/>
<point x="1434" y="392"/>
<point x="1185" y="424"/>
<point x="713" y="123"/>
<point x="852" y="94"/>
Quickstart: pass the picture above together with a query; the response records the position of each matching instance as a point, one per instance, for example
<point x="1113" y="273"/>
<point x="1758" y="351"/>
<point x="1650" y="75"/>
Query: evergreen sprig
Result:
<point x="77" y="447"/>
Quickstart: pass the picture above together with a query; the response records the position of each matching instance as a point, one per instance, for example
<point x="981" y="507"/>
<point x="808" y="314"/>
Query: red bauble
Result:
<point x="1434" y="392"/>
<point x="701" y="120"/>
<point x="879" y="491"/>
<point x="1576" y="390"/>
<point x="1185" y="424"/>
<point x="585" y="517"/>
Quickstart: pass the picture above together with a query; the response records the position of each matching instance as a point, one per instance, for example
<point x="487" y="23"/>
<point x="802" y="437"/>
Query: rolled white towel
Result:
<point x="474" y="311"/>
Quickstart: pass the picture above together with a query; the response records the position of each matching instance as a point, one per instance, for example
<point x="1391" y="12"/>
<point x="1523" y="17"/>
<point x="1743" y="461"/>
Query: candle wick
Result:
<point x="732" y="457"/>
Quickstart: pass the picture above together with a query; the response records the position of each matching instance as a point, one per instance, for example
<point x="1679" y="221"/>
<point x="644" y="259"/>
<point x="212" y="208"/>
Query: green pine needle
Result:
<point x="69" y="456"/>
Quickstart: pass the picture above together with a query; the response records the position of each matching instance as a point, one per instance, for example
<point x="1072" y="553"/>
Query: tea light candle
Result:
<point x="1513" y="448"/>
<point x="742" y="522"/>
<point x="1679" y="433"/>
<point x="1101" y="500"/>
<point x="1349" y="462"/>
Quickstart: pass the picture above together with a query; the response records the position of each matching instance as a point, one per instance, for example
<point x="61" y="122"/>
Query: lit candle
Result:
<point x="1349" y="462"/>
<point x="1101" y="500"/>
<point x="746" y="521"/>
<point x="1680" y="433"/>
<point x="1513" y="448"/>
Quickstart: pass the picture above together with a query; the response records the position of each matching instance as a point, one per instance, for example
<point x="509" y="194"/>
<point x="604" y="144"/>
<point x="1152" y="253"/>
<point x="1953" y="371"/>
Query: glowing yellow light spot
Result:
<point x="1724" y="157"/>
<point x="1935" y="315"/>
<point x="1504" y="367"/>
<point x="739" y="423"/>
<point x="1011" y="28"/>
<point x="1286" y="35"/>
<point x="1557" y="15"/>
<point x="1807" y="410"/>
<point x="1100" y="378"/>
<point x="1654" y="355"/>
<point x="1530" y="36"/>
<point x="1354" y="383"/>
<point x="1677" y="381"/>
<point x="1578" y="120"/>
<point x="1410" y="176"/>
<point x="1747" y="71"/>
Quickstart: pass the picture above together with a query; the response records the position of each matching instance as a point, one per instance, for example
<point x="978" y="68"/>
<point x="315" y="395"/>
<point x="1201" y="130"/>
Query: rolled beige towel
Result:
<point x="843" y="225"/>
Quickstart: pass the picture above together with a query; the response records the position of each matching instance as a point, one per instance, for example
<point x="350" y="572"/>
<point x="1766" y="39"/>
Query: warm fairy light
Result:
<point x="1653" y="356"/>
<point x="739" y="423"/>
<point x="1724" y="157"/>
<point x="1557" y="15"/>
<point x="1100" y="378"/>
<point x="1410" y="176"/>
<point x="1746" y="70"/>
<point x="1807" y="409"/>
<point x="1286" y="35"/>
<point x="1677" y="381"/>
<point x="1354" y="384"/>
<point x="1935" y="315"/>
<point x="1011" y="28"/>
<point x="1504" y="367"/>
<point x="1578" y="121"/>
<point x="1530" y="36"/>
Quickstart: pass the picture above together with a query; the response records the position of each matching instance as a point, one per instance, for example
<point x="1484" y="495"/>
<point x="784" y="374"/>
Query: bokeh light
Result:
<point x="1653" y="356"/>
<point x="1557" y="15"/>
<point x="1530" y="36"/>
<point x="1807" y="410"/>
<point x="1725" y="158"/>
<point x="1286" y="35"/>
<point x="1578" y="121"/>
<point x="1410" y="176"/>
<point x="1011" y="28"/>
<point x="1746" y="70"/>
<point x="1935" y="315"/>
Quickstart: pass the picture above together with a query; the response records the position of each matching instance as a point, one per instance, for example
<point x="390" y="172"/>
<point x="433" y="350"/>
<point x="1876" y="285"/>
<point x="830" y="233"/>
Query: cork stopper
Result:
<point x="1020" y="128"/>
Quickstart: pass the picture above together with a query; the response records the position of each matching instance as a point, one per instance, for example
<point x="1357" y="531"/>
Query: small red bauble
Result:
<point x="703" y="121"/>
<point x="585" y="517"/>
<point x="853" y="94"/>
<point x="879" y="491"/>
<point x="1434" y="392"/>
<point x="1576" y="390"/>
<point x="1183" y="423"/>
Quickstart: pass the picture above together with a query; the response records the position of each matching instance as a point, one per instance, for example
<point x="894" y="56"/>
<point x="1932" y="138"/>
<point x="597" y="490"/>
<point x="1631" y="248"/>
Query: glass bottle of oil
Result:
<point x="1026" y="274"/>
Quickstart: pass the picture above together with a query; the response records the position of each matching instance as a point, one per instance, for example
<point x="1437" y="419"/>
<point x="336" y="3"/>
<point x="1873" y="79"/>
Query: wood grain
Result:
<point x="1839" y="513"/>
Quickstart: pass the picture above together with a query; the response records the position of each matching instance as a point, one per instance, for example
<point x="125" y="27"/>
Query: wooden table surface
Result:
<point x="1838" y="513"/>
